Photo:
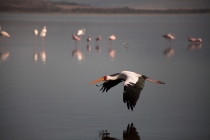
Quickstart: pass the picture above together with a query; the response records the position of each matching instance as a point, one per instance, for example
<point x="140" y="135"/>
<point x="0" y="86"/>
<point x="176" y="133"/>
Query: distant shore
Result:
<point x="38" y="6"/>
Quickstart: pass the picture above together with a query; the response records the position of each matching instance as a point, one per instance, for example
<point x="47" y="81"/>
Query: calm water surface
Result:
<point x="50" y="98"/>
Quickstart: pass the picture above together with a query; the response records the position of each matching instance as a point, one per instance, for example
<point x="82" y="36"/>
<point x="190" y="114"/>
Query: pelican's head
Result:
<point x="104" y="78"/>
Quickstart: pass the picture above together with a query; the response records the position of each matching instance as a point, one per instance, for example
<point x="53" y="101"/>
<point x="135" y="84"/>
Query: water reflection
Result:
<point x="98" y="48"/>
<point x="41" y="55"/>
<point x="168" y="52"/>
<point x="78" y="54"/>
<point x="4" y="54"/>
<point x="129" y="134"/>
<point x="194" y="46"/>
<point x="88" y="48"/>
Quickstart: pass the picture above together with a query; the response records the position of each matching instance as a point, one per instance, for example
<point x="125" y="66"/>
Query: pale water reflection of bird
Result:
<point x="133" y="84"/>
<point x="98" y="48"/>
<point x="88" y="48"/>
<point x="194" y="46"/>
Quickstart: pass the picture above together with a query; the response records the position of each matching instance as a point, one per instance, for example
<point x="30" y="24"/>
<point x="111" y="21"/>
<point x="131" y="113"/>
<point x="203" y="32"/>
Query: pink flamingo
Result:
<point x="76" y="38"/>
<point x="194" y="40"/>
<point x="111" y="50"/>
<point x="111" y="38"/>
<point x="88" y="39"/>
<point x="98" y="39"/>
<point x="4" y="34"/>
<point x="169" y="37"/>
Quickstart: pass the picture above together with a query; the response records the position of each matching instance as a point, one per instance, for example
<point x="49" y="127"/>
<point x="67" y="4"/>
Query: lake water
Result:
<point x="49" y="97"/>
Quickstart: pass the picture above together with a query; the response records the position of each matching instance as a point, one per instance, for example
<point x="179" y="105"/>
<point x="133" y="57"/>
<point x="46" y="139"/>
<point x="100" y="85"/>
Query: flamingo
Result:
<point x="36" y="32"/>
<point x="98" y="39"/>
<point x="35" y="35"/>
<point x="199" y="40"/>
<point x="89" y="38"/>
<point x="111" y="50"/>
<point x="194" y="40"/>
<point x="81" y="32"/>
<point x="133" y="84"/>
<point x="169" y="37"/>
<point x="4" y="34"/>
<point x="76" y="38"/>
<point x="111" y="38"/>
<point x="191" y="39"/>
<point x="43" y="34"/>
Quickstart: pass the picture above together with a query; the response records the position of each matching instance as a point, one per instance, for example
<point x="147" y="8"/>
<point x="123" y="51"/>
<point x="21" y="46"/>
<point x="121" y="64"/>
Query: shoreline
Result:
<point x="104" y="14"/>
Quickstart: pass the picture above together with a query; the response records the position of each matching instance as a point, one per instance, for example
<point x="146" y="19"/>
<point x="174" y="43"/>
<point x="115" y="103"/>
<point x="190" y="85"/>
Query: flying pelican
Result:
<point x="4" y="34"/>
<point x="133" y="85"/>
<point x="169" y="37"/>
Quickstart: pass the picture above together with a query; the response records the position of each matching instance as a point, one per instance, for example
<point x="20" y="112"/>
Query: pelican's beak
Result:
<point x="98" y="80"/>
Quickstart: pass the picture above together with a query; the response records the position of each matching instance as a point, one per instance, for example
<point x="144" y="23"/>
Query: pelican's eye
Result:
<point x="105" y="78"/>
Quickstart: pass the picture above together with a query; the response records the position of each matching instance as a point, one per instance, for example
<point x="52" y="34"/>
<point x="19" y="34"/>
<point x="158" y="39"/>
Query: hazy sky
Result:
<point x="146" y="3"/>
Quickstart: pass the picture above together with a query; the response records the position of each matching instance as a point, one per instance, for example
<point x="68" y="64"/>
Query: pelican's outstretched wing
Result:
<point x="132" y="92"/>
<point x="111" y="83"/>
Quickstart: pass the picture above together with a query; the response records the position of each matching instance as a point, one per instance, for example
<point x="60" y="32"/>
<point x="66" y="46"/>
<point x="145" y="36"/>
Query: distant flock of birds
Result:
<point x="81" y="32"/>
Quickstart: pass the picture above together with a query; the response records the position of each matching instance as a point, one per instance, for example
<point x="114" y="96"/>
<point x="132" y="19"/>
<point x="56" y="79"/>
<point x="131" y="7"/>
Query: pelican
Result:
<point x="133" y="84"/>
